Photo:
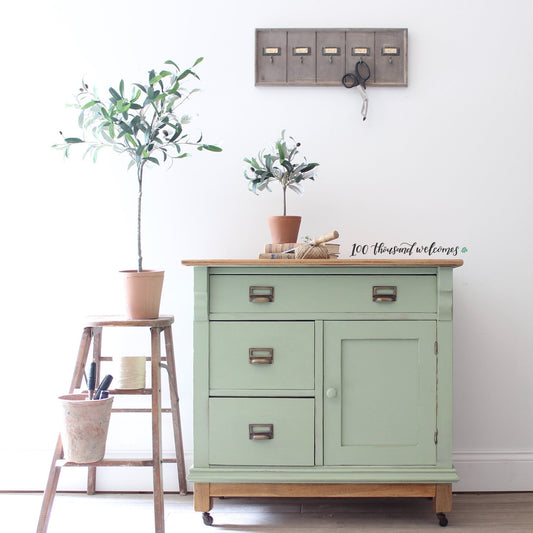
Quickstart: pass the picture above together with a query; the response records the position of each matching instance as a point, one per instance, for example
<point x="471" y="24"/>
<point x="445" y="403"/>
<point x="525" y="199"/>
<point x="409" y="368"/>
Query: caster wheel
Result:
<point x="207" y="518"/>
<point x="443" y="521"/>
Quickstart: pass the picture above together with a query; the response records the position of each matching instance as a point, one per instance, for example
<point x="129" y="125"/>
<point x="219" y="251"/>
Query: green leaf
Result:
<point x="184" y="74"/>
<point x="268" y="162"/>
<point x="309" y="167"/>
<point x="95" y="154"/>
<point x="89" y="104"/>
<point x="131" y="139"/>
<point x="288" y="166"/>
<point x="253" y="162"/>
<point x="142" y="87"/>
<point x="169" y="62"/>
<point x="178" y="129"/>
<point x="212" y="147"/>
<point x="107" y="137"/>
<point x="87" y="151"/>
<point x="160" y="76"/>
<point x="199" y="60"/>
<point x="281" y="152"/>
<point x="293" y="151"/>
<point x="121" y="88"/>
<point x="174" y="88"/>
<point x="114" y="93"/>
<point x="123" y="106"/>
<point x="152" y="160"/>
<point x="73" y="140"/>
<point x="125" y="127"/>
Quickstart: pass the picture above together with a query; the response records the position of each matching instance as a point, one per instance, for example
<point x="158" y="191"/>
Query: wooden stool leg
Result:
<point x="174" y="404"/>
<point x="97" y="353"/>
<point x="159" y="508"/>
<point x="50" y="490"/>
<point x="81" y="361"/>
<point x="53" y="476"/>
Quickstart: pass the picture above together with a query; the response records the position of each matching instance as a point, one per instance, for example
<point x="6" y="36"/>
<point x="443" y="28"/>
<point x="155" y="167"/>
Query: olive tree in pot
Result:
<point x="280" y="165"/>
<point x="143" y="124"/>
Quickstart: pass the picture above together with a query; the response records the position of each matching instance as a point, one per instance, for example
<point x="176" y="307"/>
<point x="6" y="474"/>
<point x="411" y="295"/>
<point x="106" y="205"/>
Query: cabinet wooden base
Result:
<point x="440" y="492"/>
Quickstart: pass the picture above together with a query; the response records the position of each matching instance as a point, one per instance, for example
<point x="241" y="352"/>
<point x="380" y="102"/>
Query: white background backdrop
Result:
<point x="447" y="159"/>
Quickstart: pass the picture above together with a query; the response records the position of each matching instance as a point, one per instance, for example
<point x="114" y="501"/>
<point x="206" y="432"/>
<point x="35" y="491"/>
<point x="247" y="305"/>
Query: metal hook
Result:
<point x="301" y="59"/>
<point x="331" y="59"/>
<point x="271" y="59"/>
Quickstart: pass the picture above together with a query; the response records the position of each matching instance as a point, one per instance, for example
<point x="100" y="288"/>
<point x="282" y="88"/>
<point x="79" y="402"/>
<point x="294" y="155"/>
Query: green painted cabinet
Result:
<point x="328" y="378"/>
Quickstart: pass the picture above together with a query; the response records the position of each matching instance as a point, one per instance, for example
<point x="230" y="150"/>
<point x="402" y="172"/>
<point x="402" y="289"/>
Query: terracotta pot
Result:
<point x="284" y="229"/>
<point x="84" y="427"/>
<point x="143" y="293"/>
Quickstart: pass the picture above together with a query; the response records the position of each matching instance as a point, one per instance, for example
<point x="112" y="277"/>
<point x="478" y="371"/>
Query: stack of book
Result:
<point x="280" y="251"/>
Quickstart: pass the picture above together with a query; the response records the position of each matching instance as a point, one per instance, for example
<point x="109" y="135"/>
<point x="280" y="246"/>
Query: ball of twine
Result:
<point x="311" y="252"/>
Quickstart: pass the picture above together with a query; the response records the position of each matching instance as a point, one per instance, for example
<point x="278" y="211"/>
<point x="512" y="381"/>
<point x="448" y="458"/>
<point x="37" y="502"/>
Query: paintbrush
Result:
<point x="91" y="381"/>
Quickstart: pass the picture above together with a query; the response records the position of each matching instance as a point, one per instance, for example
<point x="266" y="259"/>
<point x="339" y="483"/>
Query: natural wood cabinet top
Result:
<point x="453" y="263"/>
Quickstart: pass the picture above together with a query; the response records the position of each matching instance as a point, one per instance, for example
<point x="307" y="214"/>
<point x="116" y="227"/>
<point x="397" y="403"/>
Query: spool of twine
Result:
<point x="130" y="372"/>
<point x="311" y="252"/>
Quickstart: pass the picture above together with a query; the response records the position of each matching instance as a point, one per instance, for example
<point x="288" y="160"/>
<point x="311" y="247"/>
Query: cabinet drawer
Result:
<point x="261" y="431"/>
<point x="323" y="293"/>
<point x="261" y="355"/>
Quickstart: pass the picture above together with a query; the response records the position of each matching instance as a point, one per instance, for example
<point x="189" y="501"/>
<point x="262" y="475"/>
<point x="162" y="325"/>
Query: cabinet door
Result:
<point x="379" y="393"/>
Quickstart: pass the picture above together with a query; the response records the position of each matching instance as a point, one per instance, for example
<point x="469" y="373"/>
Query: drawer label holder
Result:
<point x="261" y="294"/>
<point x="381" y="293"/>
<point x="261" y="356"/>
<point x="261" y="431"/>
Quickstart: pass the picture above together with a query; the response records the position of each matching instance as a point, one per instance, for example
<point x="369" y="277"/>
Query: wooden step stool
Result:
<point x="92" y="333"/>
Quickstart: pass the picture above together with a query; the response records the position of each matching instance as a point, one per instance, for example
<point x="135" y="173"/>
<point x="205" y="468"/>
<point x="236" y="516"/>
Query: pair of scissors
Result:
<point x="358" y="79"/>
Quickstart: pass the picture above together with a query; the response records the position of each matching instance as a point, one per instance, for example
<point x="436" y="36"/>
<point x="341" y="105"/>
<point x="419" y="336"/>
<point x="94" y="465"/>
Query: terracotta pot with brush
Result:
<point x="84" y="427"/>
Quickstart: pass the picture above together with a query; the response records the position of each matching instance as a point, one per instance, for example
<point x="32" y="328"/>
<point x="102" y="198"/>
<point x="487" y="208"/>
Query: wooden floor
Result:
<point x="79" y="513"/>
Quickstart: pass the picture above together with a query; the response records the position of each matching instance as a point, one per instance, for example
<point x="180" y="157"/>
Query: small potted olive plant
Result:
<point x="280" y="165"/>
<point x="143" y="124"/>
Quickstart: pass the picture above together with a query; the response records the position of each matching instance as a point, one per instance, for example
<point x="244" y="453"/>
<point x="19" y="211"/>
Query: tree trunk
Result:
<point x="139" y="214"/>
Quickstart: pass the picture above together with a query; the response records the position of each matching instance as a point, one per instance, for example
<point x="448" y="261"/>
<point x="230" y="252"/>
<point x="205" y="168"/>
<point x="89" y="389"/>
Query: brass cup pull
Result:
<point x="261" y="356"/>
<point x="384" y="293"/>
<point x="261" y="431"/>
<point x="261" y="294"/>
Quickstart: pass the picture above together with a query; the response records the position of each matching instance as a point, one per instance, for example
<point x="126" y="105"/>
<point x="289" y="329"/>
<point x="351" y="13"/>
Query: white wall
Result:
<point x="447" y="159"/>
